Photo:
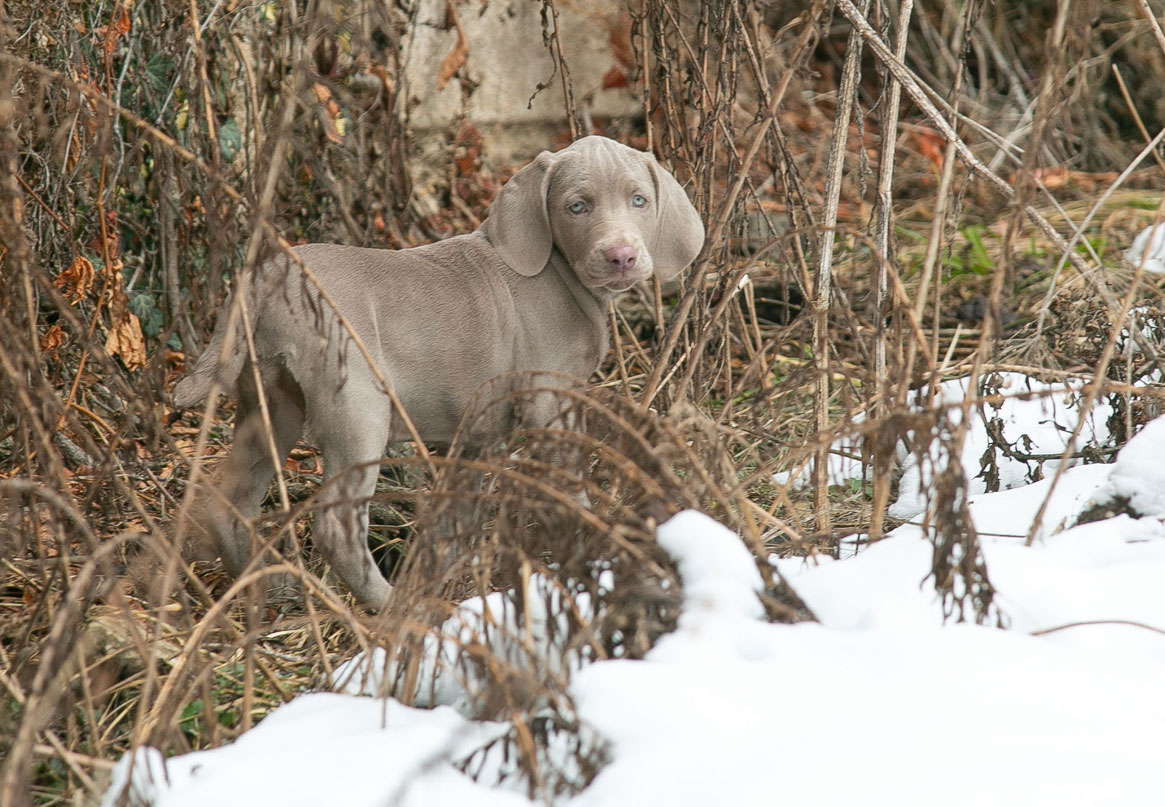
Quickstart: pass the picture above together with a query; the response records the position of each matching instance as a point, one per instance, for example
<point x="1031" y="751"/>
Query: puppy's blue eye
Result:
<point x="638" y="200"/>
<point x="577" y="207"/>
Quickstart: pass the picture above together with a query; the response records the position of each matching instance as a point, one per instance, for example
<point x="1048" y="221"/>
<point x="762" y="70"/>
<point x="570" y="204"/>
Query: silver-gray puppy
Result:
<point x="526" y="292"/>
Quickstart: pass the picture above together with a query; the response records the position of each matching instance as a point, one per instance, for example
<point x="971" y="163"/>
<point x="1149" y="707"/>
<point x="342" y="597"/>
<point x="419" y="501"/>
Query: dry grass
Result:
<point x="977" y="227"/>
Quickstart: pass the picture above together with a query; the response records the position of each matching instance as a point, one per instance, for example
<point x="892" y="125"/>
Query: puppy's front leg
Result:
<point x="352" y="449"/>
<point x="549" y="408"/>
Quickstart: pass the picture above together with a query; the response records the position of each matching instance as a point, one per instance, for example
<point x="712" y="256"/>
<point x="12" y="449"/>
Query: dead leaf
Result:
<point x="74" y="149"/>
<point x="52" y="339"/>
<point x="385" y="79"/>
<point x="122" y="25"/>
<point x="125" y="339"/>
<point x="467" y="149"/>
<point x="1053" y="178"/>
<point x="930" y="145"/>
<point x="118" y="27"/>
<point x="1059" y="176"/>
<point x="619" y="38"/>
<point x="330" y="113"/>
<point x="76" y="282"/>
<point x="458" y="56"/>
<point x="615" y="78"/>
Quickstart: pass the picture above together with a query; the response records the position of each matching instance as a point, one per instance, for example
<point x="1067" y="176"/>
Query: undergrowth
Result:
<point x="860" y="251"/>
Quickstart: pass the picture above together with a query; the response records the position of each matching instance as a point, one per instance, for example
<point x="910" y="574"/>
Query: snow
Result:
<point x="1149" y="246"/>
<point x="446" y="677"/>
<point x="323" y="748"/>
<point x="890" y="717"/>
<point x="1039" y="424"/>
<point x="1035" y="418"/>
<point x="720" y="575"/>
<point x="1139" y="475"/>
<point x="878" y="703"/>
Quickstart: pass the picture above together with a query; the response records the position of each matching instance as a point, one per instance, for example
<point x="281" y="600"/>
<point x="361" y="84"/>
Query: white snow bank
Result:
<point x="448" y="677"/>
<point x="1099" y="571"/>
<point x="878" y="705"/>
<point x="1139" y="475"/>
<point x="1149" y="245"/>
<point x="953" y="716"/>
<point x="1035" y="419"/>
<point x="719" y="574"/>
<point x="1040" y="424"/>
<point x="319" y="749"/>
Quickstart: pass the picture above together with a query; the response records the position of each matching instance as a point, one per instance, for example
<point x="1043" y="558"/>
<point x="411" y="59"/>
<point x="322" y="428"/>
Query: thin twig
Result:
<point x="822" y="282"/>
<point x="889" y="128"/>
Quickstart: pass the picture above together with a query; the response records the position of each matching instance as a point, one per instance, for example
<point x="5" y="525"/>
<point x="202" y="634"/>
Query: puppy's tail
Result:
<point x="214" y="365"/>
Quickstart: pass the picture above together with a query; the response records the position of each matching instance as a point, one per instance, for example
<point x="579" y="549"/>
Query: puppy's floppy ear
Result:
<point x="518" y="224"/>
<point x="679" y="233"/>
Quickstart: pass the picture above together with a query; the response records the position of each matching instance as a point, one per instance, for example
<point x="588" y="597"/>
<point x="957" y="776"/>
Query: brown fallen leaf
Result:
<point x="615" y="78"/>
<point x="467" y="149"/>
<point x="1053" y="178"/>
<point x="76" y="282"/>
<point x="52" y="339"/>
<point x="457" y="57"/>
<point x="1060" y="176"/>
<point x="333" y="127"/>
<point x="930" y="145"/>
<point x="382" y="74"/>
<point x="125" y="339"/>
<point x="619" y="38"/>
<point x="75" y="149"/>
<point x="118" y="27"/>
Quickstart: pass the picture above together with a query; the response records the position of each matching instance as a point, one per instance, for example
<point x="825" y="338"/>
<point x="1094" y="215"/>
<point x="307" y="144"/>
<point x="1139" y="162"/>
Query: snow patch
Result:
<point x="879" y="704"/>
<point x="1035" y="419"/>
<point x="1139" y="475"/>
<point x="1149" y="246"/>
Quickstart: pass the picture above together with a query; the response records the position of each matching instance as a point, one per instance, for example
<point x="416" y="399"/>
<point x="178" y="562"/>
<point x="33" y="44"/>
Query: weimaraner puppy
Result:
<point x="526" y="292"/>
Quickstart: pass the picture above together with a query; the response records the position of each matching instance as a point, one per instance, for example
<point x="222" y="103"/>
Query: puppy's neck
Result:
<point x="593" y="302"/>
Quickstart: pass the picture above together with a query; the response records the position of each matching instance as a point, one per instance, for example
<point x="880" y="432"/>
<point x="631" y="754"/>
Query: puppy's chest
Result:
<point x="569" y="342"/>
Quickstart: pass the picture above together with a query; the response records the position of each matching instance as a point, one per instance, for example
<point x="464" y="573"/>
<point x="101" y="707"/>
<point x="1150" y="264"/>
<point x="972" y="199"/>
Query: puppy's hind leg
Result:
<point x="247" y="473"/>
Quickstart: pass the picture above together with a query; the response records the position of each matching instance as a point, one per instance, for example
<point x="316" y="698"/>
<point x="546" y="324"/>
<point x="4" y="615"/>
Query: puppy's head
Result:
<point x="613" y="213"/>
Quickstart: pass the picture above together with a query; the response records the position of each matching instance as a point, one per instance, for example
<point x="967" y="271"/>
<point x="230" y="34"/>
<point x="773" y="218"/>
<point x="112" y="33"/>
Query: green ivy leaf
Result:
<point x="146" y="308"/>
<point x="192" y="710"/>
<point x="159" y="69"/>
<point x="230" y="140"/>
